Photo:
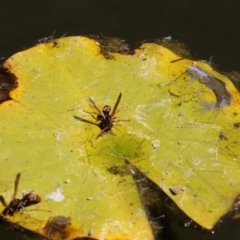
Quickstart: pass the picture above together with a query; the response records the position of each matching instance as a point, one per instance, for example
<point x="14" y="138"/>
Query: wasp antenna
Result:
<point x="97" y="108"/>
<point x="90" y="99"/>
<point x="116" y="104"/>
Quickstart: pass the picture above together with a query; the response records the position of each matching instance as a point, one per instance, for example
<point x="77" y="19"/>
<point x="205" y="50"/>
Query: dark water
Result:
<point x="208" y="28"/>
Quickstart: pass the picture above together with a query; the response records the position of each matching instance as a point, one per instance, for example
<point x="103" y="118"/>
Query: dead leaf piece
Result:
<point x="174" y="190"/>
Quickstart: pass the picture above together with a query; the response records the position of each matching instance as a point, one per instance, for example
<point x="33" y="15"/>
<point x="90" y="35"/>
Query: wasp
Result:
<point x="19" y="204"/>
<point x="105" y="116"/>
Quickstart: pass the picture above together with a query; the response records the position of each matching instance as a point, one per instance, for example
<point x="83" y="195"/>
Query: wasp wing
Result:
<point x="17" y="179"/>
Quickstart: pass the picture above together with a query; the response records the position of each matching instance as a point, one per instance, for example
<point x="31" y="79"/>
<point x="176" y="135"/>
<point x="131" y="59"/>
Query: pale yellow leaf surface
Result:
<point x="168" y="136"/>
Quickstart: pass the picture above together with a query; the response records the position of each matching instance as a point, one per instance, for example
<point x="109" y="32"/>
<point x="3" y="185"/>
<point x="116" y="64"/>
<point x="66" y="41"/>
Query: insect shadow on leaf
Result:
<point x="105" y="117"/>
<point x="19" y="204"/>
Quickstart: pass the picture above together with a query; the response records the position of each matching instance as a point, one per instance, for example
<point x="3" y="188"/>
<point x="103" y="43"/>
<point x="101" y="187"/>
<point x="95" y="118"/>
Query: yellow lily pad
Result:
<point x="161" y="128"/>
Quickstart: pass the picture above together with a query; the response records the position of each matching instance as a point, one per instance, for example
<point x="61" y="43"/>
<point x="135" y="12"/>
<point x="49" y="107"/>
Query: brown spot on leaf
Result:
<point x="222" y="136"/>
<point x="8" y="82"/>
<point x="236" y="125"/>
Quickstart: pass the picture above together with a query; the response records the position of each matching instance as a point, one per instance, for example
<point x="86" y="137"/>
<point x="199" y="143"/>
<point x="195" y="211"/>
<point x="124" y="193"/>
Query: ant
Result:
<point x="17" y="204"/>
<point x="51" y="39"/>
<point x="106" y="117"/>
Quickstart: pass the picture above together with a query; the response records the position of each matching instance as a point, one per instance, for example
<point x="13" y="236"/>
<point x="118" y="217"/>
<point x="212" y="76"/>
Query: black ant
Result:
<point x="106" y="117"/>
<point x="19" y="204"/>
<point x="51" y="39"/>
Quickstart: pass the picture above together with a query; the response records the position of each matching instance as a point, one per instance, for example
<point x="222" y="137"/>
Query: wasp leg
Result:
<point x="84" y="120"/>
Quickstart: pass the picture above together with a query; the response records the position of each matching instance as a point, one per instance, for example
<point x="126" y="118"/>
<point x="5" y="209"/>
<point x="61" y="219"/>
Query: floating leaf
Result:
<point x="164" y="126"/>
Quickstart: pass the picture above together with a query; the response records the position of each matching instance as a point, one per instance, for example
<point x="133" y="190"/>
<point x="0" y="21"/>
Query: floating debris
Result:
<point x="57" y="195"/>
<point x="218" y="87"/>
